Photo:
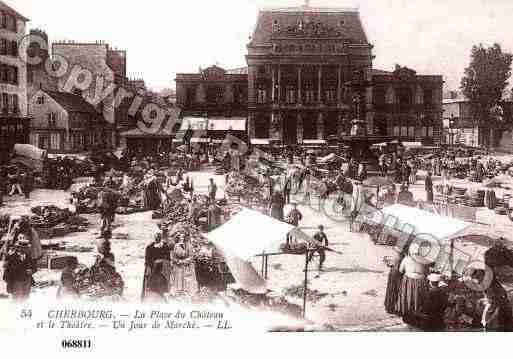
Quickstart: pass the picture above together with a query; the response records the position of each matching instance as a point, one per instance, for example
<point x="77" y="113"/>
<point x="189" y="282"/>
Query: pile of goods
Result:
<point x="458" y="196"/>
<point x="94" y="285"/>
<point x="490" y="200"/>
<point x="4" y="225"/>
<point x="294" y="247"/>
<point x="88" y="200"/>
<point x="51" y="221"/>
<point x="173" y="213"/>
<point x="243" y="186"/>
<point x="299" y="291"/>
<point x="211" y="270"/>
<point x="269" y="301"/>
<point x="501" y="207"/>
<point x="475" y="199"/>
<point x="463" y="312"/>
<point x="220" y="171"/>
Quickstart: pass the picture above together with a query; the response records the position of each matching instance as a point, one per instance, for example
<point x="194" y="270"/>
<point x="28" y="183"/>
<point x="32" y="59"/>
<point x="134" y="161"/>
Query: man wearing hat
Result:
<point x="434" y="305"/>
<point x="320" y="244"/>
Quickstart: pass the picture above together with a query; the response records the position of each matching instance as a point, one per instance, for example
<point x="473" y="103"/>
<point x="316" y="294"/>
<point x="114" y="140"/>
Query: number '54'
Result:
<point x="26" y="314"/>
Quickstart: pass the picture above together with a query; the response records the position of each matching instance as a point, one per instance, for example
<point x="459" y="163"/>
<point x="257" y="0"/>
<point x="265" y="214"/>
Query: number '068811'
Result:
<point x="76" y="344"/>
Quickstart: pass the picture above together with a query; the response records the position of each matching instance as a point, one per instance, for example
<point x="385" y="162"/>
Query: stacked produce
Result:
<point x="501" y="207"/>
<point x="299" y="291"/>
<point x="476" y="199"/>
<point x="236" y="184"/>
<point x="88" y="196"/>
<point x="242" y="185"/>
<point x="490" y="199"/>
<point x="173" y="213"/>
<point x="49" y="216"/>
<point x="51" y="221"/>
<point x="463" y="312"/>
<point x="95" y="285"/>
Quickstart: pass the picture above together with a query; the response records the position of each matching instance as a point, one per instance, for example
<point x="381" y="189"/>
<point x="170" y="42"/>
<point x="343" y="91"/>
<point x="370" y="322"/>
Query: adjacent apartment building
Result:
<point x="14" y="124"/>
<point x="107" y="66"/>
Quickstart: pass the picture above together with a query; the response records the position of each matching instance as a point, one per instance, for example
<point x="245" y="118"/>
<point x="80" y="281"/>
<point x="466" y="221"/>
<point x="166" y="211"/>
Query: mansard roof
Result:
<point x="309" y="22"/>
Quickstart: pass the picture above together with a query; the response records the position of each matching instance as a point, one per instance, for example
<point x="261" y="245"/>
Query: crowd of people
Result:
<point x="425" y="300"/>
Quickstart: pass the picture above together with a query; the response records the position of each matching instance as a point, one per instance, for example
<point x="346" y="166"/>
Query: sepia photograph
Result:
<point x="322" y="166"/>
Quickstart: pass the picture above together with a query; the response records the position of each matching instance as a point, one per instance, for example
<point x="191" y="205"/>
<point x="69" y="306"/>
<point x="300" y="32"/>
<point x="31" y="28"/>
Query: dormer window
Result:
<point x="342" y="23"/>
<point x="300" y="25"/>
<point x="41" y="100"/>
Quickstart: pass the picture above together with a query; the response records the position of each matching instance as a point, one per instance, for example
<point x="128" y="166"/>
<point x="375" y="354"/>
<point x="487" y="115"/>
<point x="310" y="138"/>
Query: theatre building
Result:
<point x="299" y="60"/>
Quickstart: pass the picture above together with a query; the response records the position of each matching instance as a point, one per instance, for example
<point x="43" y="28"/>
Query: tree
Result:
<point x="485" y="80"/>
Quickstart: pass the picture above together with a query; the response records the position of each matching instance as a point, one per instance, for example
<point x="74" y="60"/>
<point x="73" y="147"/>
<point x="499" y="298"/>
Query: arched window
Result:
<point x="276" y="26"/>
<point x="300" y="25"/>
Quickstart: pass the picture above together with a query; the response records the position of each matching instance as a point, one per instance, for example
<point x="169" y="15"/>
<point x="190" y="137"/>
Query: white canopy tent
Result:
<point x="245" y="235"/>
<point x="431" y="226"/>
<point x="423" y="222"/>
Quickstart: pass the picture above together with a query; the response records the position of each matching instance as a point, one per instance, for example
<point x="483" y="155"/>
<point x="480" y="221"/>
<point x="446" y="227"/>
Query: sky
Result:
<point x="165" y="37"/>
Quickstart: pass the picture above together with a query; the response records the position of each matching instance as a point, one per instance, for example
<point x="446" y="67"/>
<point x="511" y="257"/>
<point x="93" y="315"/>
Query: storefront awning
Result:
<point x="260" y="141"/>
<point x="412" y="144"/>
<point x="214" y="123"/>
<point x="137" y="133"/>
<point x="227" y="124"/>
<point x="314" y="142"/>
<point x="200" y="140"/>
<point x="194" y="123"/>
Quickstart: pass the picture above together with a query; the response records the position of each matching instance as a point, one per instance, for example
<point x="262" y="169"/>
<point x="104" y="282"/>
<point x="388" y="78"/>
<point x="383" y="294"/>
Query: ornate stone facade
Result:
<point x="300" y="60"/>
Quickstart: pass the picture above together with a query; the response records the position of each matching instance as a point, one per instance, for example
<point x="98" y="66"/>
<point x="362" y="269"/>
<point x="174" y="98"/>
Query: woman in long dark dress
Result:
<point x="414" y="286"/>
<point x="152" y="193"/>
<point x="394" y="284"/>
<point x="277" y="204"/>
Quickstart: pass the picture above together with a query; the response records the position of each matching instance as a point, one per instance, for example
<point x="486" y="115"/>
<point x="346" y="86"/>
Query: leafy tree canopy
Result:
<point x="486" y="77"/>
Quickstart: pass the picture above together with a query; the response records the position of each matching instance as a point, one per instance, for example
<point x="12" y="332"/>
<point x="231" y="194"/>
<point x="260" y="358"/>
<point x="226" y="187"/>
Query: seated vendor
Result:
<point x="405" y="197"/>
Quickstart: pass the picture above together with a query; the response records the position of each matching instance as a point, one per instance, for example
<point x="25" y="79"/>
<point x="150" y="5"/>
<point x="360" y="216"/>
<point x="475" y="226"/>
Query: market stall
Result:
<point x="397" y="224"/>
<point x="266" y="242"/>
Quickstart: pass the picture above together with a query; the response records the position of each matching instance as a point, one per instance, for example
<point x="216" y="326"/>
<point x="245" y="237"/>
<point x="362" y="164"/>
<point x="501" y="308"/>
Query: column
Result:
<point x="279" y="84"/>
<point x="340" y="124"/>
<point x="320" y="126"/>
<point x="274" y="85"/>
<point x="300" y="128"/>
<point x="275" y="128"/>
<point x="251" y="126"/>
<point x="251" y="84"/>
<point x="319" y="95"/>
<point x="339" y="85"/>
<point x="299" y="86"/>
